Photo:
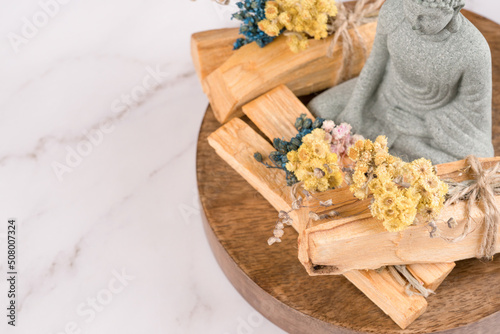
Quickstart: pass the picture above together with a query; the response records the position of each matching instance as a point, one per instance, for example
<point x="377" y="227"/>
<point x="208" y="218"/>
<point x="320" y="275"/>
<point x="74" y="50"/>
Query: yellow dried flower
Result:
<point x="269" y="27"/>
<point x="387" y="200"/>
<point x="422" y="168"/>
<point x="304" y="153"/>
<point x="285" y="19"/>
<point x="336" y="179"/>
<point x="400" y="190"/>
<point x="381" y="142"/>
<point x="332" y="159"/>
<point x="291" y="166"/>
<point x="303" y="19"/>
<point x="292" y="156"/>
<point x="271" y="10"/>
<point x="314" y="164"/>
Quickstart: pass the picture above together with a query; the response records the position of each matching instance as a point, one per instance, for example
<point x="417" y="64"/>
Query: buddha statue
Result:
<point x="427" y="84"/>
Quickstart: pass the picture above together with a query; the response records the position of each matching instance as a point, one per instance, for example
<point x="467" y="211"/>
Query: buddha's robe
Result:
<point x="431" y="96"/>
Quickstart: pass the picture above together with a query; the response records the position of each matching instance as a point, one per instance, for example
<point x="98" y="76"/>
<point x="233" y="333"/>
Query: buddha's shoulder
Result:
<point x="473" y="39"/>
<point x="390" y="17"/>
<point x="470" y="34"/>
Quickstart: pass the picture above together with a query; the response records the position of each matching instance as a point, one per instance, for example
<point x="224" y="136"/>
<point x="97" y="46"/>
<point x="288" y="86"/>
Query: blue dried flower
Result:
<point x="307" y="123"/>
<point x="318" y="123"/>
<point x="251" y="12"/>
<point x="279" y="157"/>
<point x="296" y="142"/>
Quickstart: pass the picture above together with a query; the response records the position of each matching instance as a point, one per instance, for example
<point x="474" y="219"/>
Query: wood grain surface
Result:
<point x="239" y="221"/>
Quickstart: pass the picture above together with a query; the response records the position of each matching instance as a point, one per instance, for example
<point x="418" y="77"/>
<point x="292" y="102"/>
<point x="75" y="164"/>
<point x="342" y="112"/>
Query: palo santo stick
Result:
<point x="275" y="112"/>
<point x="210" y="49"/>
<point x="431" y="275"/>
<point x="388" y="295"/>
<point x="236" y="143"/>
<point x="346" y="244"/>
<point x="252" y="71"/>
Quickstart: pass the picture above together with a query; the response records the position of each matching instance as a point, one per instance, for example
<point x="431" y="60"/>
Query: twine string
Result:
<point x="481" y="190"/>
<point x="346" y="19"/>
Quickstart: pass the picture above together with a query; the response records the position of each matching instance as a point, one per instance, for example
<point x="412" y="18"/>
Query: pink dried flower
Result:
<point x="341" y="131"/>
<point x="328" y="126"/>
<point x="337" y="148"/>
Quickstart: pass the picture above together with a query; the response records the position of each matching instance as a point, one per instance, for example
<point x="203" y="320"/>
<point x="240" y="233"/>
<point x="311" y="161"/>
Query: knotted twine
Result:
<point x="481" y="190"/>
<point x="345" y="20"/>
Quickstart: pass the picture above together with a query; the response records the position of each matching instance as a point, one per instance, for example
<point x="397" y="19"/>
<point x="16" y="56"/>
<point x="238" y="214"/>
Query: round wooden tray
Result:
<point x="239" y="221"/>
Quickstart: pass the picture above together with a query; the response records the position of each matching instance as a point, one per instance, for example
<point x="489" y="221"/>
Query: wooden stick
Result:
<point x="236" y="143"/>
<point x="391" y="297"/>
<point x="346" y="244"/>
<point x="252" y="71"/>
<point x="275" y="113"/>
<point x="210" y="49"/>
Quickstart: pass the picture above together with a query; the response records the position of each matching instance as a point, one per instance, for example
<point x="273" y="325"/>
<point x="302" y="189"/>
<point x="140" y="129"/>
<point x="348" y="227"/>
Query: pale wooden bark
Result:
<point x="275" y="113"/>
<point x="210" y="49"/>
<point x="388" y="295"/>
<point x="348" y="243"/>
<point x="236" y="143"/>
<point x="252" y="71"/>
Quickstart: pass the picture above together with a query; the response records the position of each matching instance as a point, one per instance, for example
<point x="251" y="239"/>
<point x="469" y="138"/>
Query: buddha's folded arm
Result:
<point x="463" y="127"/>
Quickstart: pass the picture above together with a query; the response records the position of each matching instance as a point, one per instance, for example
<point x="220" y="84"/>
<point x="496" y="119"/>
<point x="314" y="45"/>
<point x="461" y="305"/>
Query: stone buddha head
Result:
<point x="430" y="17"/>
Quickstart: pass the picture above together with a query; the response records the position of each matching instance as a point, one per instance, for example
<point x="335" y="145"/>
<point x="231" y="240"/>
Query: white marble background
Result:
<point x="110" y="236"/>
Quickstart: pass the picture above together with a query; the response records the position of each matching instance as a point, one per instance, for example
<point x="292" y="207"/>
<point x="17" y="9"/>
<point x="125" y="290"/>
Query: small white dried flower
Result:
<point x="326" y="203"/>
<point x="278" y="233"/>
<point x="280" y="225"/>
<point x="272" y="240"/>
<point x="283" y="214"/>
<point x="328" y="125"/>
<point x="434" y="231"/>
<point x="314" y="216"/>
<point x="288" y="221"/>
<point x="334" y="213"/>
<point x="297" y="204"/>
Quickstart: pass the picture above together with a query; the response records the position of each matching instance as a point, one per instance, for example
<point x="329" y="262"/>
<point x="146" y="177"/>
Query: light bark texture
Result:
<point x="348" y="243"/>
<point x="252" y="71"/>
<point x="210" y="49"/>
